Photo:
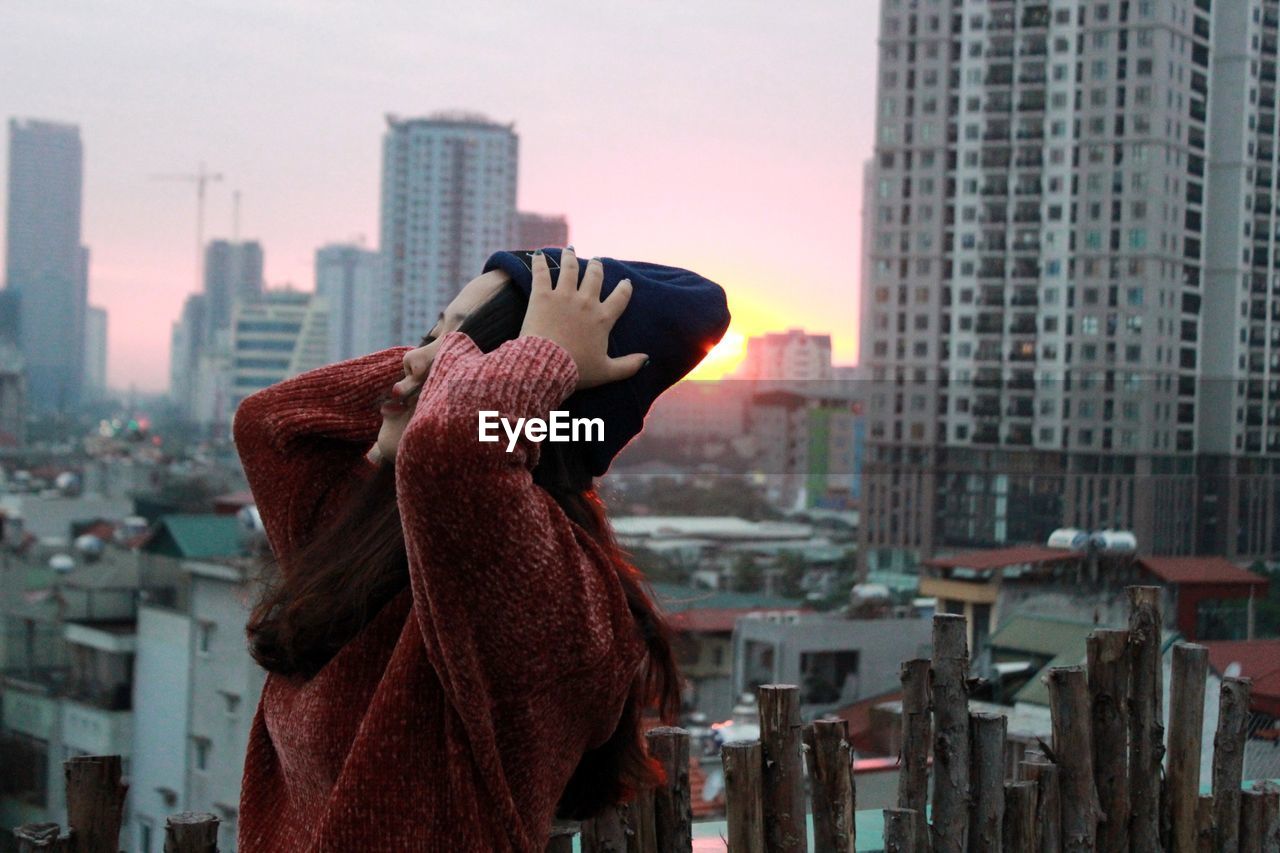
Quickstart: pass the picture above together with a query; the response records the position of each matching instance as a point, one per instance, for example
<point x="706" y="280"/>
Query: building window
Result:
<point x="200" y="749"/>
<point x="145" y="830"/>
<point x="204" y="637"/>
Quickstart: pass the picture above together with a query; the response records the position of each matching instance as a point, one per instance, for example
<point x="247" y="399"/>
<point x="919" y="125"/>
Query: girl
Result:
<point x="457" y="649"/>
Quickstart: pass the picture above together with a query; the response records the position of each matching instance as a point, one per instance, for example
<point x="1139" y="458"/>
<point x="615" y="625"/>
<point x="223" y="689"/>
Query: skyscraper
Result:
<point x="348" y="278"/>
<point x="232" y="270"/>
<point x="45" y="264"/>
<point x="1072" y="293"/>
<point x="448" y="201"/>
<point x="95" y="352"/>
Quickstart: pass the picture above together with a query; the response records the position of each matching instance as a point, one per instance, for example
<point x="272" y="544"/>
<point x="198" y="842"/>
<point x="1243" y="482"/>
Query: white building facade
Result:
<point x="448" y="202"/>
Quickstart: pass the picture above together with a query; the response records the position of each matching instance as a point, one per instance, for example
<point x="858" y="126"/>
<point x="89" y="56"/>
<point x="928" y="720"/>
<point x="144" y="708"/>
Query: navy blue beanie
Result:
<point x="675" y="317"/>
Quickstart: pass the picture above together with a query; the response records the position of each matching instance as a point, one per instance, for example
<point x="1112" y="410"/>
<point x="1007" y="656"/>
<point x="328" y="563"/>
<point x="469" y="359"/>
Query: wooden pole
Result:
<point x="1270" y="793"/>
<point x="1228" y="762"/>
<point x="986" y="781"/>
<point x="1048" y="803"/>
<point x="191" y="832"/>
<point x="1108" y="664"/>
<point x="831" y="784"/>
<point x="1251" y="818"/>
<point x="744" y="795"/>
<point x="641" y="838"/>
<point x="1204" y="825"/>
<point x="561" y="840"/>
<point x="1069" y="706"/>
<point x="672" y="810"/>
<point x="606" y="832"/>
<point x="41" y="838"/>
<point x="1146" y="727"/>
<point x="95" y="802"/>
<point x="900" y="832"/>
<point x="950" y="700"/>
<point x="785" y="824"/>
<point x="1019" y="823"/>
<point x="1186" y="719"/>
<point x="913" y="777"/>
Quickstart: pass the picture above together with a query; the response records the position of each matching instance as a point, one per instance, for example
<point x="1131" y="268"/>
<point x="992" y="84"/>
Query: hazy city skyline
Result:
<point x="736" y="148"/>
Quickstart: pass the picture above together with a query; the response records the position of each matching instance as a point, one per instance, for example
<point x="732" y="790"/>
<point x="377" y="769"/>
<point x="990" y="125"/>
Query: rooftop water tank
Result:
<point x="1068" y="538"/>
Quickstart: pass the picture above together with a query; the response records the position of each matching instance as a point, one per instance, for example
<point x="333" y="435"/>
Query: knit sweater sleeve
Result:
<point x="302" y="442"/>
<point x="515" y="601"/>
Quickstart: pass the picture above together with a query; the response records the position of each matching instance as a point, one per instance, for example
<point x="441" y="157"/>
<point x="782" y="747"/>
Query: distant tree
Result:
<point x="656" y="567"/>
<point x="793" y="568"/>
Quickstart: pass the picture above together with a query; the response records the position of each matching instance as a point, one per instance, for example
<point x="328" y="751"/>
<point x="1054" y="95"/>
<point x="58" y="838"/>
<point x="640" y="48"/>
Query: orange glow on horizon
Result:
<point x="723" y="358"/>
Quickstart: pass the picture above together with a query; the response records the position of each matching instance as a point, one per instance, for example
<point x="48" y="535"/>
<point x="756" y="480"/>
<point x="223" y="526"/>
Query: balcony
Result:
<point x="1025" y="188"/>
<point x="1035" y="16"/>
<point x="987" y="434"/>
<point x="989" y="324"/>
<point x="1029" y="159"/>
<point x="991" y="268"/>
<point x="1025" y="298"/>
<point x="1025" y="352"/>
<point x="1022" y="380"/>
<point x="1019" y="435"/>
<point x="1020" y="407"/>
<point x="1032" y="102"/>
<point x="1023" y="325"/>
<point x="987" y="407"/>
<point x="1024" y="268"/>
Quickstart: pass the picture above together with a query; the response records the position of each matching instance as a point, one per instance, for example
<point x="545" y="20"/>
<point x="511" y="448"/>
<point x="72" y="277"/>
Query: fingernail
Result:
<point x="569" y="248"/>
<point x="538" y="252"/>
<point x="646" y="363"/>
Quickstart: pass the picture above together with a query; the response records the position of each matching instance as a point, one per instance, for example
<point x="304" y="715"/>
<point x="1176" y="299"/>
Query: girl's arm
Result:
<point x="516" y="603"/>
<point x="303" y="442"/>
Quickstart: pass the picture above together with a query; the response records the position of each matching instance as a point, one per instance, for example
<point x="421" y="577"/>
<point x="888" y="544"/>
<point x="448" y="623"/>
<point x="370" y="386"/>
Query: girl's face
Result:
<point x="417" y="362"/>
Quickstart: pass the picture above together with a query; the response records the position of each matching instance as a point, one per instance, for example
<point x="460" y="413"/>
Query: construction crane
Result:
<point x="201" y="179"/>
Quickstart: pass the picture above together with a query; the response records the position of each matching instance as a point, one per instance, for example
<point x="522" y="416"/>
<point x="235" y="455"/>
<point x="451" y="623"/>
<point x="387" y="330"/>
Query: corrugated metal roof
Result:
<point x="1042" y="635"/>
<point x="1001" y="558"/>
<point x="197" y="536"/>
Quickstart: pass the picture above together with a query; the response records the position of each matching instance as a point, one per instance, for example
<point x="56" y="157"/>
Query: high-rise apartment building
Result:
<point x="448" y="201"/>
<point x="1072" y="290"/>
<point x="280" y="335"/>
<point x="793" y="355"/>
<point x="232" y="270"/>
<point x="348" y="278"/>
<point x="95" y="352"/>
<point x="537" y="231"/>
<point x="45" y="264"/>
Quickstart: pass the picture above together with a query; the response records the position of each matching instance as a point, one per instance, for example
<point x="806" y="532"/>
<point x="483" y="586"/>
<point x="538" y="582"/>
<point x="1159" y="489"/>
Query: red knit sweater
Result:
<point x="454" y="720"/>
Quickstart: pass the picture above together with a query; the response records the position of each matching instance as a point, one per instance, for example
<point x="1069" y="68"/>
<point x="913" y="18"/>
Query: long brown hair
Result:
<point x="357" y="564"/>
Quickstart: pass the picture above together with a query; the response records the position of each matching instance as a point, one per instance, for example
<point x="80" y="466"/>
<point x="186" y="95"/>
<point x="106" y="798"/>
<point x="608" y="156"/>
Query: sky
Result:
<point x="725" y="136"/>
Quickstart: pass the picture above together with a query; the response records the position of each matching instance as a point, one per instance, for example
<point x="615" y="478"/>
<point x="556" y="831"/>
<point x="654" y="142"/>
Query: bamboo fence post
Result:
<point x="950" y="700"/>
<point x="1048" y="803"/>
<point x="1228" y="761"/>
<point x="1204" y="825"/>
<point x="785" y="823"/>
<point x="986" y="781"/>
<point x="1018" y="826"/>
<point x="1108" y="665"/>
<point x="1146" y="727"/>
<point x="1069" y="706"/>
<point x="41" y="837"/>
<point x="606" y="832"/>
<point x="1251" y="818"/>
<point x="561" y="839"/>
<point x="913" y="777"/>
<point x="831" y="784"/>
<point x="900" y="833"/>
<point x="1186" y="719"/>
<point x="191" y="832"/>
<point x="1270" y="793"/>
<point x="744" y="795"/>
<point x="672" y="810"/>
<point x="95" y="802"/>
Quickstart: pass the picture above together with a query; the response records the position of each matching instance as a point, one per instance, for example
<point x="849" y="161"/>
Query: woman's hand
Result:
<point x="576" y="319"/>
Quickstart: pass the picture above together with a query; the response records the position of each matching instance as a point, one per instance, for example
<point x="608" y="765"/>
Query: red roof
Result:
<point x="714" y="620"/>
<point x="1259" y="660"/>
<point x="1193" y="570"/>
<point x="1002" y="558"/>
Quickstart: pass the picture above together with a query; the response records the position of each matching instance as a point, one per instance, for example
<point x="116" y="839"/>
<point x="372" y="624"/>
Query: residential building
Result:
<point x="45" y="265"/>
<point x="13" y="396"/>
<point x="1071" y="292"/>
<point x="539" y="231"/>
<point x="95" y="352"/>
<point x="232" y="272"/>
<point x="281" y="335"/>
<point x="448" y="202"/>
<point x="791" y="356"/>
<point x="347" y="276"/>
<point x="195" y="686"/>
<point x="702" y="622"/>
<point x="809" y="447"/>
<point x="186" y="343"/>
<point x="834" y="661"/>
